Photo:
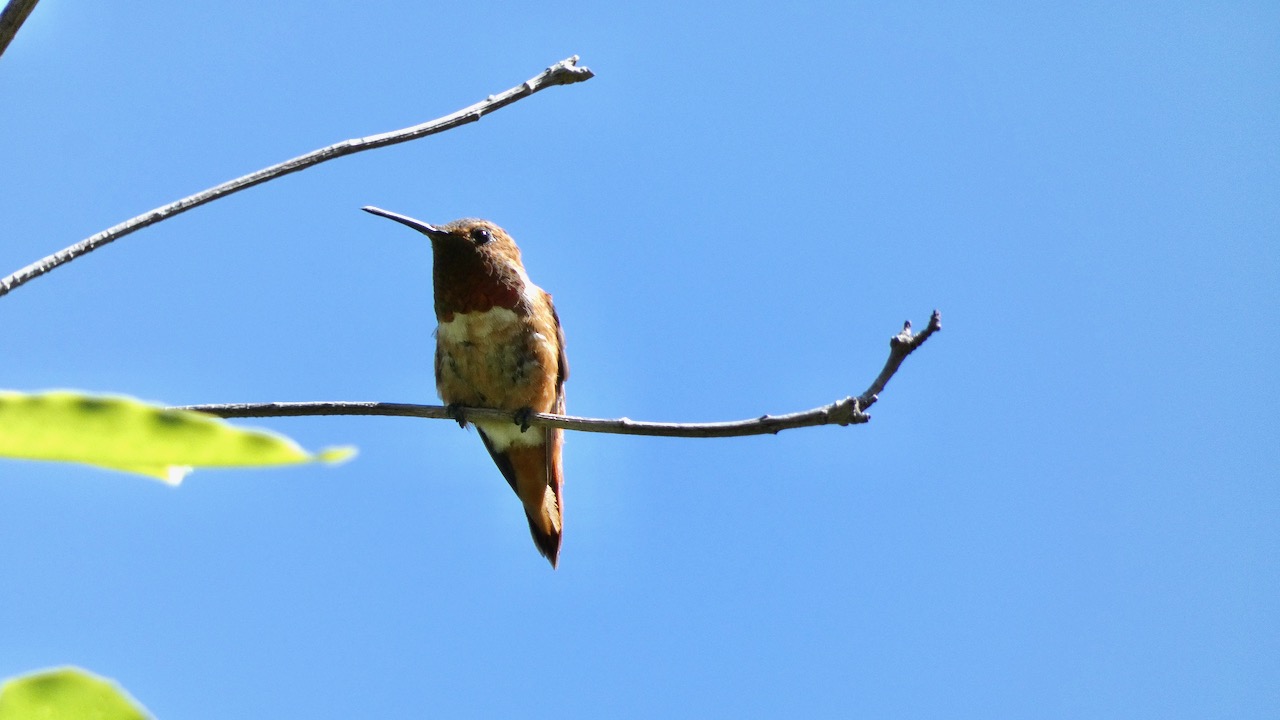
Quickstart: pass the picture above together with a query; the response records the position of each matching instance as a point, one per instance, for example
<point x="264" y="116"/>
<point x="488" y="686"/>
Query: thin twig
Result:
<point x="843" y="412"/>
<point x="849" y="411"/>
<point x="900" y="346"/>
<point x="562" y="73"/>
<point x="11" y="18"/>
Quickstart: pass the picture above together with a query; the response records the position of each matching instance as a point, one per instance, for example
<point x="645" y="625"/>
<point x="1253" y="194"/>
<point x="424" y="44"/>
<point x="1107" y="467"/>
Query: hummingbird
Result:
<point x="499" y="345"/>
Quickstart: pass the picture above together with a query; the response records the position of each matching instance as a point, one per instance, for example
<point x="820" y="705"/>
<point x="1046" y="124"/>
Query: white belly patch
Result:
<point x="504" y="435"/>
<point x="474" y="326"/>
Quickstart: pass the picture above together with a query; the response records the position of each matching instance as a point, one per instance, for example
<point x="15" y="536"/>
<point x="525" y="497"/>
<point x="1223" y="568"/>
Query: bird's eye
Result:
<point x="480" y="235"/>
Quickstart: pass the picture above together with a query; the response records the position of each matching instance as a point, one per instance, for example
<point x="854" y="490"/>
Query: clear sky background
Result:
<point x="1066" y="503"/>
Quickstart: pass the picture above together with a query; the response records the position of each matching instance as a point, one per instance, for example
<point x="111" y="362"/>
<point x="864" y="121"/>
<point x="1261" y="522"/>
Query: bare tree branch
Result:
<point x="564" y="72"/>
<point x="849" y="411"/>
<point x="11" y="18"/>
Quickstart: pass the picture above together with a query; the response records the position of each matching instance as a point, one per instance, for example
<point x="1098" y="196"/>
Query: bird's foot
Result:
<point x="523" y="415"/>
<point x="457" y="413"/>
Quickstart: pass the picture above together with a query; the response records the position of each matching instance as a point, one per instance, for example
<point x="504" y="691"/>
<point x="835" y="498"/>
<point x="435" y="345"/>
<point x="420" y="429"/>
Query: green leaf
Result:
<point x="66" y="694"/>
<point x="121" y="433"/>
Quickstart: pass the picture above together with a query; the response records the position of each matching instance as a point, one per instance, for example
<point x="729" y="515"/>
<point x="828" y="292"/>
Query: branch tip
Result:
<point x="567" y="71"/>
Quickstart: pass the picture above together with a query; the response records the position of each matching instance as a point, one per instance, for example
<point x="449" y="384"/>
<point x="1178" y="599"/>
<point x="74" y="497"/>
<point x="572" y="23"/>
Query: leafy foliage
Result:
<point x="121" y="433"/>
<point x="66" y="694"/>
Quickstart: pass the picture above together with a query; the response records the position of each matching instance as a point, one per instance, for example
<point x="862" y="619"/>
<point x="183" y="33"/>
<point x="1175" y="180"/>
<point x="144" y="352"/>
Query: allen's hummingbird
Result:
<point x="499" y="345"/>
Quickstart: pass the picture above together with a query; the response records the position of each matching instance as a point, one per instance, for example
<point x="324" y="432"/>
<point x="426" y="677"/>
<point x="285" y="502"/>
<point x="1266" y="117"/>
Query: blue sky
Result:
<point x="1065" y="505"/>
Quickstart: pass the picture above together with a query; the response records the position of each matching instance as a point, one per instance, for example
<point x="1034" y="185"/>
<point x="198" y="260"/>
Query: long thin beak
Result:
<point x="427" y="229"/>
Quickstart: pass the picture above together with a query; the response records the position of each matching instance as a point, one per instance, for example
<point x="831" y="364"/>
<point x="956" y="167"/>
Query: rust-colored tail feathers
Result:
<point x="534" y="473"/>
